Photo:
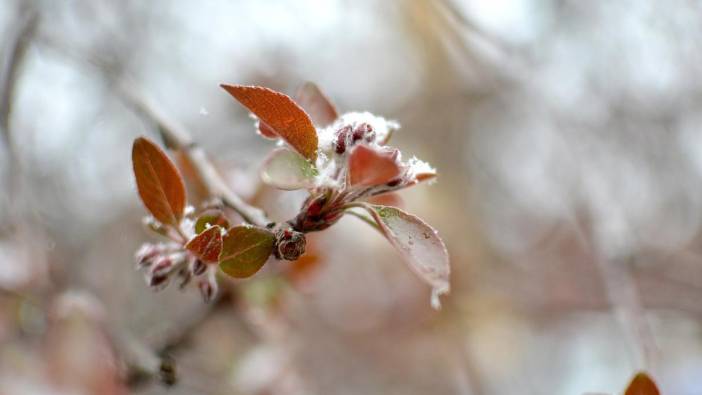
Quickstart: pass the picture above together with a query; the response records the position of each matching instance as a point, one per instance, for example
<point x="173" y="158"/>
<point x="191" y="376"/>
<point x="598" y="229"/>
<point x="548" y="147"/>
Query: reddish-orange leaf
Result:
<point x="281" y="114"/>
<point x="642" y="384"/>
<point x="316" y="103"/>
<point x="160" y="185"/>
<point x="207" y="245"/>
<point x="368" y="166"/>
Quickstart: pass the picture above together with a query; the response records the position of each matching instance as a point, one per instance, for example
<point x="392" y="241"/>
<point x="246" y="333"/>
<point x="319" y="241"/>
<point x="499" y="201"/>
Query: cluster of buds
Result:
<point x="355" y="164"/>
<point x="165" y="262"/>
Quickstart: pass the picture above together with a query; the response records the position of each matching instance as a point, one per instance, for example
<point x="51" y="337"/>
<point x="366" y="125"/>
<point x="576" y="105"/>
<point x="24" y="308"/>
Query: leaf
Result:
<point x="317" y="105"/>
<point x="288" y="170"/>
<point x="281" y="114"/>
<point x="642" y="384"/>
<point x="160" y="185"/>
<point x="207" y="245"/>
<point x="387" y="199"/>
<point x="245" y="250"/>
<point x="368" y="166"/>
<point x="419" y="245"/>
<point x="211" y="218"/>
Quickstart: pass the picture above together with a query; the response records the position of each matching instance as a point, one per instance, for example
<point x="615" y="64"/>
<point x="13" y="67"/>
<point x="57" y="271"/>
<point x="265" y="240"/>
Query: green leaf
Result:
<point x="642" y="384"/>
<point x="419" y="245"/>
<point x="207" y="245"/>
<point x="211" y="218"/>
<point x="159" y="183"/>
<point x="288" y="170"/>
<point x="245" y="250"/>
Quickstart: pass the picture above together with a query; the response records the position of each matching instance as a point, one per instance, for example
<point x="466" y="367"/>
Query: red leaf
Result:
<point x="368" y="166"/>
<point x="418" y="244"/>
<point x="245" y="250"/>
<point x="316" y="103"/>
<point x="281" y="114"/>
<point x="207" y="245"/>
<point x="160" y="185"/>
<point x="642" y="384"/>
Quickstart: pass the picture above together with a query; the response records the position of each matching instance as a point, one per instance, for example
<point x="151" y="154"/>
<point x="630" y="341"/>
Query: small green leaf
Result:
<point x="245" y="250"/>
<point x="211" y="218"/>
<point x="419" y="245"/>
<point x="207" y="245"/>
<point x="642" y="384"/>
<point x="286" y="169"/>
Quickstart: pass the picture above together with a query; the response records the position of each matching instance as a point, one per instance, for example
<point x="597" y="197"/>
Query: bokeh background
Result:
<point x="568" y="141"/>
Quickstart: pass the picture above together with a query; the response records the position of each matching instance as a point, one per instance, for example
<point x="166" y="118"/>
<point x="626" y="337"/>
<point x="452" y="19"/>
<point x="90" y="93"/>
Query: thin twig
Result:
<point x="177" y="138"/>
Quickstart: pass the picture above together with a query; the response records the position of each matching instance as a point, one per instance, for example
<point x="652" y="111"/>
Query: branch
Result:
<point x="20" y="39"/>
<point x="177" y="138"/>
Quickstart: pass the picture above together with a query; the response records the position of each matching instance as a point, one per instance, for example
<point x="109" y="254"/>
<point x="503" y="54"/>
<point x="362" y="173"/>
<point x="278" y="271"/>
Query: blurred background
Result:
<point x="567" y="138"/>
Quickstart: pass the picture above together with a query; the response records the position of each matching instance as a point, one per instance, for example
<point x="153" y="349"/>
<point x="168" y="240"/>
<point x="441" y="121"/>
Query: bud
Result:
<point x="145" y="255"/>
<point x="290" y="244"/>
<point x="198" y="267"/>
<point x="364" y="131"/>
<point x="208" y="289"/>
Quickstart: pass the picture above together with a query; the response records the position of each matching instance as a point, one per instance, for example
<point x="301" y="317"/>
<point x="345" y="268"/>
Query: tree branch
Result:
<point x="19" y="41"/>
<point x="177" y="138"/>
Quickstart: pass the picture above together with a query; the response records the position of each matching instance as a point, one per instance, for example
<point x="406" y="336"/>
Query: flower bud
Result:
<point x="290" y="244"/>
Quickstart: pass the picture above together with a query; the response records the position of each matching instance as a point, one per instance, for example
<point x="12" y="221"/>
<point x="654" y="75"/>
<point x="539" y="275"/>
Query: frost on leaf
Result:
<point x="369" y="166"/>
<point x="211" y="218"/>
<point x="160" y="185"/>
<point x="281" y="114"/>
<point x="288" y="170"/>
<point x="207" y="245"/>
<point x="642" y="384"/>
<point x="245" y="249"/>
<point x="418" y="244"/>
<point x="317" y="105"/>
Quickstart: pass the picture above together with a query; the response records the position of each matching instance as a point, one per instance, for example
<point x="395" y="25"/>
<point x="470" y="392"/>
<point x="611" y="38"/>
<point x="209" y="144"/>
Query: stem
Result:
<point x="362" y="217"/>
<point x="177" y="138"/>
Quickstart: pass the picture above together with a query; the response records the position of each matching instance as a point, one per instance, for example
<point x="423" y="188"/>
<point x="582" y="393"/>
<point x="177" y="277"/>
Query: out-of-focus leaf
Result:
<point x="211" y="218"/>
<point x="368" y="166"/>
<point x="288" y="170"/>
<point x="642" y="384"/>
<point x="245" y="250"/>
<point x="266" y="131"/>
<point x="160" y="185"/>
<point x="281" y="114"/>
<point x="387" y="199"/>
<point x="207" y="245"/>
<point x="317" y="104"/>
<point x="419" y="245"/>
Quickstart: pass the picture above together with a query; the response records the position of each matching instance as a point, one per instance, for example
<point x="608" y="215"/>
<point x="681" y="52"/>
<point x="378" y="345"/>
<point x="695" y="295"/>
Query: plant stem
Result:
<point x="176" y="137"/>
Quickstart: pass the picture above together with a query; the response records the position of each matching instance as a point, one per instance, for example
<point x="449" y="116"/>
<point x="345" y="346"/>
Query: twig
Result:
<point x="177" y="138"/>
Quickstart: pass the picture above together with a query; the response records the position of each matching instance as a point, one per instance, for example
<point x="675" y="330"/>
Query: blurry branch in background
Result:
<point x="13" y="56"/>
<point x="624" y="300"/>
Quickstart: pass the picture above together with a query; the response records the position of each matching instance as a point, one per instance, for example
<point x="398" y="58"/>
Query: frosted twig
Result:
<point x="177" y="138"/>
